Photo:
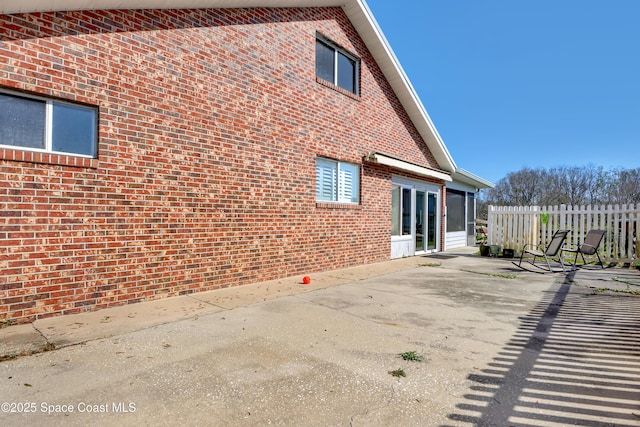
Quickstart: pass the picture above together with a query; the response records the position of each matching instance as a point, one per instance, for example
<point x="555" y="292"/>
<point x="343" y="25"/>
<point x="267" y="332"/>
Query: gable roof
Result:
<point x="356" y="10"/>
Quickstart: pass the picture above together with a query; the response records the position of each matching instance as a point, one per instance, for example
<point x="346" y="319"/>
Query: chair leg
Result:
<point x="575" y="261"/>
<point x="562" y="264"/>
<point x="601" y="263"/>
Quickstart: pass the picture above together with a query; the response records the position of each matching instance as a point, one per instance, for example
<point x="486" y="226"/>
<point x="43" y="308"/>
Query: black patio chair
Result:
<point x="547" y="253"/>
<point x="588" y="247"/>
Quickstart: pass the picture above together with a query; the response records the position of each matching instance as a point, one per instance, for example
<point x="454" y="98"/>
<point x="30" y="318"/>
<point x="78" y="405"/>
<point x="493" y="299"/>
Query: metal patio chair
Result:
<point x="547" y="253"/>
<point x="588" y="247"/>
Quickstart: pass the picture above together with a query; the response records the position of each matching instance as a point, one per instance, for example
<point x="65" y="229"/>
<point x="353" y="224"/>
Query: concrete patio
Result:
<point x="499" y="347"/>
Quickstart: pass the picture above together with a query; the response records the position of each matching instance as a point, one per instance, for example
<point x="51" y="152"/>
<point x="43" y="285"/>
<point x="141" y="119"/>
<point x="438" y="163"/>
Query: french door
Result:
<point x="432" y="218"/>
<point x="425" y="218"/>
<point x="415" y="219"/>
<point x="421" y="220"/>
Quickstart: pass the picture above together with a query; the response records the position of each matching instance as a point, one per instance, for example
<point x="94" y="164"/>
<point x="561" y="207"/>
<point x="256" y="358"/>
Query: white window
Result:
<point x="400" y="211"/>
<point x="337" y="181"/>
<point x="456" y="212"/>
<point x="39" y="124"/>
<point x="337" y="66"/>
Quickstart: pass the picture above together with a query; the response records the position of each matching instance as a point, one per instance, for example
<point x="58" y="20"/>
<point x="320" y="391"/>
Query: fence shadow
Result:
<point x="575" y="360"/>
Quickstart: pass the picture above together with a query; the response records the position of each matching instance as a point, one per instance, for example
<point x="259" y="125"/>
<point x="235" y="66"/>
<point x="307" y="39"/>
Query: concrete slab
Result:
<point x="499" y="348"/>
<point x="79" y="328"/>
<point x="234" y="297"/>
<point x="20" y="340"/>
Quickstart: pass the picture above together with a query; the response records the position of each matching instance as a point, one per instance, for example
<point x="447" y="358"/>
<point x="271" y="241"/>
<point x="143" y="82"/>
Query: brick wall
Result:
<point x="210" y="122"/>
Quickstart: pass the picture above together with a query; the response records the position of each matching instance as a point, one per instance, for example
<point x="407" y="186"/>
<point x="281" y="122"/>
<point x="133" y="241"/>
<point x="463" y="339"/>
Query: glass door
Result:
<point x="416" y="225"/>
<point x="432" y="220"/>
<point x="471" y="219"/>
<point x="420" y="220"/>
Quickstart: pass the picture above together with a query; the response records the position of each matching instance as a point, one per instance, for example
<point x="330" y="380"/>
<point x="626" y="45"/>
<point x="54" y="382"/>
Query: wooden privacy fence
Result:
<point x="514" y="226"/>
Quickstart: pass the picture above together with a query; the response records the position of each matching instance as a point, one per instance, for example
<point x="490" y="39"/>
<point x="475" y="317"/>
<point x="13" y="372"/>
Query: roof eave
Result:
<point x="363" y="20"/>
<point x="29" y="6"/>
<point x="466" y="177"/>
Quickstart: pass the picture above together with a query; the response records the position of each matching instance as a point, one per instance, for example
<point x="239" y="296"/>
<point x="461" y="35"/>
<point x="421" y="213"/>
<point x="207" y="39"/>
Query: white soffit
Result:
<point x="381" y="159"/>
<point x="357" y="10"/>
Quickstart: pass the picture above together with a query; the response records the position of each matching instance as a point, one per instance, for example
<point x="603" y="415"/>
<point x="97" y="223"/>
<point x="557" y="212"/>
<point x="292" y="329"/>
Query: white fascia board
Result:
<point x="382" y="159"/>
<point x="466" y="177"/>
<point x="362" y="18"/>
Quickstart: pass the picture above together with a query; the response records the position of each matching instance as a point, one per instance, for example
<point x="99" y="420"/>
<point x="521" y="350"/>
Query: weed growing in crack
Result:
<point x="411" y="356"/>
<point x="504" y="276"/>
<point x="398" y="373"/>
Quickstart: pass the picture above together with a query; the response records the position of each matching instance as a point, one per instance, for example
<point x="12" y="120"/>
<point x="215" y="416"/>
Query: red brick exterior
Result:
<point x="210" y="122"/>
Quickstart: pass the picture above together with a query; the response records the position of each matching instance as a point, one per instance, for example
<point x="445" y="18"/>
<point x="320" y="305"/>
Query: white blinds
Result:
<point x="337" y="181"/>
<point x="326" y="180"/>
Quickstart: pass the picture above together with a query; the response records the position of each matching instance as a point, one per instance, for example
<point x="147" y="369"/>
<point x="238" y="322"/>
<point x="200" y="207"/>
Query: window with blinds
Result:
<point x="337" y="181"/>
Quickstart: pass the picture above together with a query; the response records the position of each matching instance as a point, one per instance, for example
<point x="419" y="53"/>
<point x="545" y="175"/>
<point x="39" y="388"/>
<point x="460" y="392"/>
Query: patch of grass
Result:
<point x="504" y="276"/>
<point x="624" y="291"/>
<point x="411" y="356"/>
<point x="8" y="357"/>
<point x="398" y="373"/>
<point x="6" y="323"/>
<point x="626" y="282"/>
<point x="430" y="264"/>
<point x="47" y="347"/>
<point x="43" y="348"/>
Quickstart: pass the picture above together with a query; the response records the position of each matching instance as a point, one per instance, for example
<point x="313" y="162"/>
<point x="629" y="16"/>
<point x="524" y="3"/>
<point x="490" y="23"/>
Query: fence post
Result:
<point x="534" y="231"/>
<point x="636" y="228"/>
<point x="490" y="225"/>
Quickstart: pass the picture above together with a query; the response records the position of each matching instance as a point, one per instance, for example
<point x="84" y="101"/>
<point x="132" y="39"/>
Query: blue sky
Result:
<point x="522" y="83"/>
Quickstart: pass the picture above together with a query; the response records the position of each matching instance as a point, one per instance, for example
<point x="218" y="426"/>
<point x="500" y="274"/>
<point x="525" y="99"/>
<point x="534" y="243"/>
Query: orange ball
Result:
<point x="306" y="280"/>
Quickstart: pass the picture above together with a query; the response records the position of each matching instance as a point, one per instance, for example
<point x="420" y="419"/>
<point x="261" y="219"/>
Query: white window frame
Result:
<point x="48" y="136"/>
<point x="356" y="65"/>
<point x="340" y="192"/>
<point x="400" y="211"/>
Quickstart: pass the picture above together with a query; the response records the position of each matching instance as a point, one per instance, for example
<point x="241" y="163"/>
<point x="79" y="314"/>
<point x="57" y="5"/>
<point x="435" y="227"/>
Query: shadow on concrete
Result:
<point x="575" y="360"/>
<point x="442" y="256"/>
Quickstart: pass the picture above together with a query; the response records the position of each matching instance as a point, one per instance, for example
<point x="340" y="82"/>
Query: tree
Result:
<point x="625" y="187"/>
<point x="573" y="185"/>
<point x="517" y="188"/>
<point x="570" y="185"/>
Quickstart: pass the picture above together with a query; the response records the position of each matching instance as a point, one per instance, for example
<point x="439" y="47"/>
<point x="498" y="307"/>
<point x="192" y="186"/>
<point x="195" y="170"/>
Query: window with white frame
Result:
<point x="337" y="66"/>
<point x="45" y="125"/>
<point x="456" y="210"/>
<point x="400" y="211"/>
<point x="337" y="181"/>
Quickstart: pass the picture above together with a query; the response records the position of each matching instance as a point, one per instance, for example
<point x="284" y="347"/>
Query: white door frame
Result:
<point x="402" y="246"/>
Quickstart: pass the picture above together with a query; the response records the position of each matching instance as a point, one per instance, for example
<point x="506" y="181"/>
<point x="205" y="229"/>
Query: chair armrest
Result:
<point x="532" y="247"/>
